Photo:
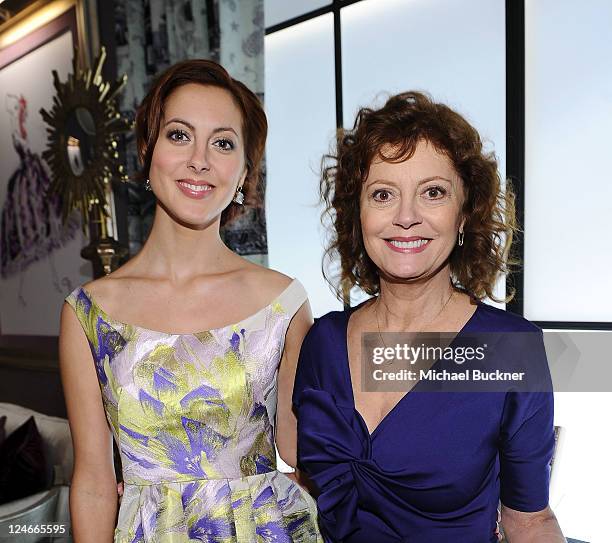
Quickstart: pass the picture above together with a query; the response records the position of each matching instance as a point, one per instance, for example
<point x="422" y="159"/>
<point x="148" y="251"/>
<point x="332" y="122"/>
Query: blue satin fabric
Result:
<point x="436" y="466"/>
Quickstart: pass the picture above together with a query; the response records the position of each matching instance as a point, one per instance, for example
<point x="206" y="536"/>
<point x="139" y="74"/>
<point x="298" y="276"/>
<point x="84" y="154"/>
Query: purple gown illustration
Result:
<point x="31" y="227"/>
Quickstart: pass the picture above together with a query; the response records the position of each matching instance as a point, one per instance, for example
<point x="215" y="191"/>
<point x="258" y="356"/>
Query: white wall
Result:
<point x="581" y="487"/>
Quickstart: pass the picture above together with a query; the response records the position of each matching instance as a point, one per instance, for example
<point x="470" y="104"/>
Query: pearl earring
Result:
<point x="148" y="185"/>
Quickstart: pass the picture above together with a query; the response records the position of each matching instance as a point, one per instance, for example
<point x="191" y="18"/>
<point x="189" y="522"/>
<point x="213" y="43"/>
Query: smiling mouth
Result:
<point x="413" y="244"/>
<point x="196" y="188"/>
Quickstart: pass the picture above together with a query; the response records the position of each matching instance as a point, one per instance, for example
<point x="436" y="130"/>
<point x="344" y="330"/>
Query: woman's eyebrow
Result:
<point x="420" y="182"/>
<point x="434" y="178"/>
<point x="381" y="180"/>
<point x="225" y="129"/>
<point x="191" y="127"/>
<point x="181" y="121"/>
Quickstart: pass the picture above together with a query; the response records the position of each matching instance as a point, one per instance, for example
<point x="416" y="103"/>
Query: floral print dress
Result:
<point x="193" y="416"/>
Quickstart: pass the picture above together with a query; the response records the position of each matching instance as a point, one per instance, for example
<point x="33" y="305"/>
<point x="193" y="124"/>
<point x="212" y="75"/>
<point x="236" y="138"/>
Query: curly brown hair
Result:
<point x="209" y="73"/>
<point x="396" y="128"/>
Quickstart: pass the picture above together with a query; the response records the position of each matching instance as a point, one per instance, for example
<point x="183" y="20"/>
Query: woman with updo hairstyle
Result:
<point x="186" y="355"/>
<point x="421" y="224"/>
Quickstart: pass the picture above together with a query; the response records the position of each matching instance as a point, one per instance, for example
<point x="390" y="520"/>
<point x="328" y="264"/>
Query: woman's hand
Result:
<point x="300" y="478"/>
<point x="538" y="527"/>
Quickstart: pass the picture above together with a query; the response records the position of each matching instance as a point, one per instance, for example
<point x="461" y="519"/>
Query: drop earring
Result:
<point x="148" y="185"/>
<point x="461" y="236"/>
<point x="239" y="196"/>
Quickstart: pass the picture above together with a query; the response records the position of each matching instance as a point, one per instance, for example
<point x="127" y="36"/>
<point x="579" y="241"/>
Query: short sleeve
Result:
<point x="82" y="306"/>
<point x="527" y="444"/>
<point x="72" y="298"/>
<point x="287" y="305"/>
<point x="291" y="299"/>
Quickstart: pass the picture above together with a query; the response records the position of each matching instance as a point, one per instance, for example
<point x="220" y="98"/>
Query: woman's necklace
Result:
<point x="427" y="324"/>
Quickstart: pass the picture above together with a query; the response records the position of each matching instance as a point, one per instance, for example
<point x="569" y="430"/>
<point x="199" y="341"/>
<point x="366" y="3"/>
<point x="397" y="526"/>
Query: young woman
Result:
<point x="181" y="354"/>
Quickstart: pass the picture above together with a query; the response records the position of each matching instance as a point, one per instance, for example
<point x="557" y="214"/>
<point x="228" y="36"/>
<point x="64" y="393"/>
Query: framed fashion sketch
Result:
<point x="40" y="260"/>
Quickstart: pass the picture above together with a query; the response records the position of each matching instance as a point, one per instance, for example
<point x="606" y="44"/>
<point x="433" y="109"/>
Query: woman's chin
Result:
<point x="199" y="222"/>
<point x="405" y="275"/>
<point x="194" y="220"/>
<point x="194" y="217"/>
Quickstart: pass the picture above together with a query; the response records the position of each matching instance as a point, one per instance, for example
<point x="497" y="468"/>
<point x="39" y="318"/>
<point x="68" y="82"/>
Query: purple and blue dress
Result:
<point x="193" y="416"/>
<point x="435" y="468"/>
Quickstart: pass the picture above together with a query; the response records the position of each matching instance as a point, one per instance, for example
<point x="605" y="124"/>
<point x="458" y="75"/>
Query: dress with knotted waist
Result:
<point x="435" y="468"/>
<point x="193" y="416"/>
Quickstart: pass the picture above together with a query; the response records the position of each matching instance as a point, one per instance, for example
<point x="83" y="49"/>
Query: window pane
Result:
<point x="453" y="50"/>
<point x="279" y="11"/>
<point x="300" y="103"/>
<point x="568" y="110"/>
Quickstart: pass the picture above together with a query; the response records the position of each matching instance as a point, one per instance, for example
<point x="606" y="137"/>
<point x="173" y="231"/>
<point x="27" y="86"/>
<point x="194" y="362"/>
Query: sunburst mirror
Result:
<point x="82" y="150"/>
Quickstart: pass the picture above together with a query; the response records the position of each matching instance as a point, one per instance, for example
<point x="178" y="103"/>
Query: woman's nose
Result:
<point x="198" y="162"/>
<point x="407" y="214"/>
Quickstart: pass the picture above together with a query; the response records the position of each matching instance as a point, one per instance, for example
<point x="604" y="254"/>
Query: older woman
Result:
<point x="181" y="353"/>
<point x="422" y="225"/>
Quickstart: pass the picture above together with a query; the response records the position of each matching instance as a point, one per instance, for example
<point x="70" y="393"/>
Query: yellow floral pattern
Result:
<point x="193" y="416"/>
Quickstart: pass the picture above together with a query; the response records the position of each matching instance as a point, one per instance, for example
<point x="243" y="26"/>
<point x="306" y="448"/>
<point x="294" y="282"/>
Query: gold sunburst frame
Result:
<point x="85" y="89"/>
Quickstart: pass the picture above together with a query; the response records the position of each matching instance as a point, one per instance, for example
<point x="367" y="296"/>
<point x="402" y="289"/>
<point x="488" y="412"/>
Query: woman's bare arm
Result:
<point x="93" y="492"/>
<point x="538" y="527"/>
<point x="286" y="422"/>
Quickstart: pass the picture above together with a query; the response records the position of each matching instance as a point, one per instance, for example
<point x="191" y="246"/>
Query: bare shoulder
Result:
<point x="97" y="286"/>
<point x="268" y="283"/>
<point x="103" y="290"/>
<point x="113" y="286"/>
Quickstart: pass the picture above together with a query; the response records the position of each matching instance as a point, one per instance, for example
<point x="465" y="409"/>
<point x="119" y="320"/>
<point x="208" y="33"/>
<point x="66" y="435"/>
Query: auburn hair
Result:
<point x="206" y="72"/>
<point x="397" y="128"/>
